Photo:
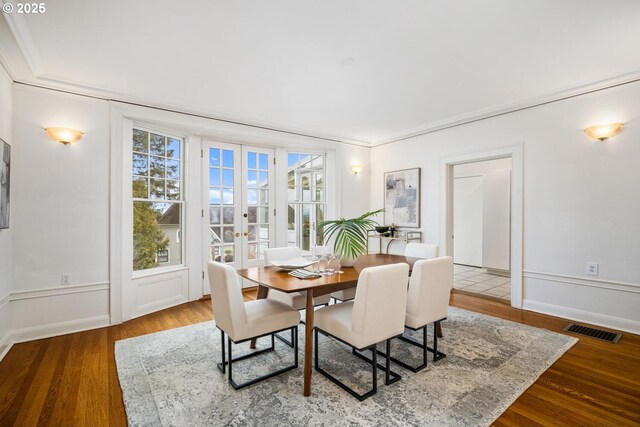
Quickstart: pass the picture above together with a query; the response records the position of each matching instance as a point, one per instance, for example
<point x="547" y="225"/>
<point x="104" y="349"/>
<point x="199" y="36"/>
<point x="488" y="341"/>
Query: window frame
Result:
<point x="299" y="201"/>
<point x="182" y="201"/>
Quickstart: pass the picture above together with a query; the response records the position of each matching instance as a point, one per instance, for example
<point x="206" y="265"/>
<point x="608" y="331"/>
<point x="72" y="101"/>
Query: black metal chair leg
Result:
<point x="230" y="361"/>
<point x="374" y="366"/>
<point x="388" y="370"/>
<point x="223" y="365"/>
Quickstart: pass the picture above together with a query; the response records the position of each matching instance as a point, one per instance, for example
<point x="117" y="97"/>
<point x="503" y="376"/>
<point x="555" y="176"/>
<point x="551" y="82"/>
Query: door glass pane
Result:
<point x="264" y="232"/>
<point x="252" y="177"/>
<point x="264" y="197"/>
<point x="264" y="162"/>
<point x="252" y="197"/>
<point x="252" y="214"/>
<point x="252" y="233"/>
<point x="264" y="179"/>
<point x="227" y="215"/>
<point x="214" y="177"/>
<point x="214" y="236"/>
<point x="228" y="234"/>
<point x="214" y="196"/>
<point x="264" y="215"/>
<point x="227" y="177"/>
<point x="214" y="215"/>
<point x="252" y="251"/>
<point x="251" y="161"/>
<point x="214" y="157"/>
<point x="227" y="158"/>
<point x="228" y="253"/>
<point x="227" y="196"/>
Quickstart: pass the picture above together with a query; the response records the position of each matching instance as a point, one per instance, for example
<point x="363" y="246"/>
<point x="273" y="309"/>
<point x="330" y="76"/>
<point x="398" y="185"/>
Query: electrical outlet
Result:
<point x="66" y="279"/>
<point x="592" y="268"/>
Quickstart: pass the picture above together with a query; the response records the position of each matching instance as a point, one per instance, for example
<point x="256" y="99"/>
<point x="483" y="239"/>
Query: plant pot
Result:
<point x="348" y="261"/>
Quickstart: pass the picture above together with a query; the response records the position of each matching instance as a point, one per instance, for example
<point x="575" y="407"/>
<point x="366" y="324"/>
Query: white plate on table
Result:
<point x="293" y="264"/>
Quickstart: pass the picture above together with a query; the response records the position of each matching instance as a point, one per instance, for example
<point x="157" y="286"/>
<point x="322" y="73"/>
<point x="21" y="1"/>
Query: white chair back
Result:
<point x="281" y="254"/>
<point x="421" y="250"/>
<point x="381" y="302"/>
<point x="429" y="288"/>
<point x="226" y="298"/>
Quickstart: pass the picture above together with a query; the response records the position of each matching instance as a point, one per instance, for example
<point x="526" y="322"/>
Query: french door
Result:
<point x="239" y="198"/>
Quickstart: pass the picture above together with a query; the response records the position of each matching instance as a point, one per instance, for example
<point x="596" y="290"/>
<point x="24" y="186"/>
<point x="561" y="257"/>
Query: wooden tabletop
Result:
<point x="274" y="278"/>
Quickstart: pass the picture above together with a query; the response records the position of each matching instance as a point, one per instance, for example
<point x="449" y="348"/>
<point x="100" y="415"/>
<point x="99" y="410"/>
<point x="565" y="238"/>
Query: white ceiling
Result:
<point x="354" y="70"/>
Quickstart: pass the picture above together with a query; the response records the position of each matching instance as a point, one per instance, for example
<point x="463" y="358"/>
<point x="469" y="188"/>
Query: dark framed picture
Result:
<point x="402" y="198"/>
<point x="5" y="169"/>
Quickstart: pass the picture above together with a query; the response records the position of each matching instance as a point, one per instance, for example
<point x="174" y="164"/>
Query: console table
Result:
<point x="405" y="236"/>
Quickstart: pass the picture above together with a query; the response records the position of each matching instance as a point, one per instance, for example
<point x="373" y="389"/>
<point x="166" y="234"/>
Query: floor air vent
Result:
<point x="593" y="333"/>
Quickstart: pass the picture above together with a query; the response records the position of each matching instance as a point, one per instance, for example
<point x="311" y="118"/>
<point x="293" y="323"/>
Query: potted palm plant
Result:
<point x="349" y="235"/>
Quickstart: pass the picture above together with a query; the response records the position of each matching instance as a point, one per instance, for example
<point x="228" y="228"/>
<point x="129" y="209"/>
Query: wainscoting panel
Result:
<point x="160" y="291"/>
<point x="44" y="313"/>
<point x="611" y="304"/>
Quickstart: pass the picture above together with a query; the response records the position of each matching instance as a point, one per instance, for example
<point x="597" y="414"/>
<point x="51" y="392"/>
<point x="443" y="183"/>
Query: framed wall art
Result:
<point x="402" y="198"/>
<point x="5" y="166"/>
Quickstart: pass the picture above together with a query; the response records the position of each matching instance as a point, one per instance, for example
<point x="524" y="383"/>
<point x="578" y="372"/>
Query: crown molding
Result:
<point x="22" y="33"/>
<point x="20" y="29"/>
<point x="487" y="113"/>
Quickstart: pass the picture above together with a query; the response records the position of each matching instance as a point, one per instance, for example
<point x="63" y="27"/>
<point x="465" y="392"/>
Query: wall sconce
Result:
<point x="64" y="135"/>
<point x="356" y="169"/>
<point x="603" y="132"/>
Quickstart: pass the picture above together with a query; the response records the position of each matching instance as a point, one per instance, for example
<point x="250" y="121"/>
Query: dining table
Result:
<point x="272" y="277"/>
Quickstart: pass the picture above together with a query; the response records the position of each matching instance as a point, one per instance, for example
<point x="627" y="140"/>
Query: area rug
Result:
<point x="170" y="378"/>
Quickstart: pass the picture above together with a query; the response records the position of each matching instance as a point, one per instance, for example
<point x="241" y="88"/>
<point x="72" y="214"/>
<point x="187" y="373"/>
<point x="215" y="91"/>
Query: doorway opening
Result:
<point x="482" y="222"/>
<point x="482" y="228"/>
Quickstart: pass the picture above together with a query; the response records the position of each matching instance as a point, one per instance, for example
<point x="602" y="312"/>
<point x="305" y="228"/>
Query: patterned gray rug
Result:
<point x="170" y="378"/>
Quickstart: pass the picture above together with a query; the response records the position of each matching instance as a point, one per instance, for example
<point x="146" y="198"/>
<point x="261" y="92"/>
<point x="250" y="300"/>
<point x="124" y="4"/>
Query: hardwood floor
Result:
<point x="72" y="380"/>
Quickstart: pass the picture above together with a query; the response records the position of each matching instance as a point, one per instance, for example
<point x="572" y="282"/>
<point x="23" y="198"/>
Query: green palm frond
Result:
<point x="350" y="234"/>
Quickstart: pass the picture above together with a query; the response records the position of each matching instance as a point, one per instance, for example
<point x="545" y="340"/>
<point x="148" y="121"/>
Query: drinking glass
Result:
<point x="328" y="269"/>
<point x="334" y="264"/>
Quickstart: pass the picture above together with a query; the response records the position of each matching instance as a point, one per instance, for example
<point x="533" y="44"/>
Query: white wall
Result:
<point x="581" y="199"/>
<point x="6" y="263"/>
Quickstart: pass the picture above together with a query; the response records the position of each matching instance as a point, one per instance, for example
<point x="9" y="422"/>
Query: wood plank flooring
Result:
<point x="71" y="380"/>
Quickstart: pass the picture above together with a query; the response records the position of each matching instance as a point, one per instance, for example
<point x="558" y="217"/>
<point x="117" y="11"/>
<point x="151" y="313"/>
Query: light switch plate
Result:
<point x="592" y="268"/>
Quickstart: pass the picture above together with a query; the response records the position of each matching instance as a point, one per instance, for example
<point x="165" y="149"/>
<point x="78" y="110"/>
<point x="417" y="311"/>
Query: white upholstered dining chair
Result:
<point x="428" y="302"/>
<point x="421" y="250"/>
<point x="297" y="300"/>
<point x="242" y="321"/>
<point x="375" y="315"/>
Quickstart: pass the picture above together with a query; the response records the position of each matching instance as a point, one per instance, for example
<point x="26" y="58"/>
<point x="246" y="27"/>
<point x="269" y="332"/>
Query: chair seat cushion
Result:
<point x="297" y="300"/>
<point x="345" y="294"/>
<point x="336" y="320"/>
<point x="265" y="316"/>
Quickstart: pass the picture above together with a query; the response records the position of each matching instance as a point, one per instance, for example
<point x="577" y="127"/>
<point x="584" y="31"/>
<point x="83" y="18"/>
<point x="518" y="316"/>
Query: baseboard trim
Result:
<point x="568" y="313"/>
<point x="38" y="332"/>
<point x="584" y="281"/>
